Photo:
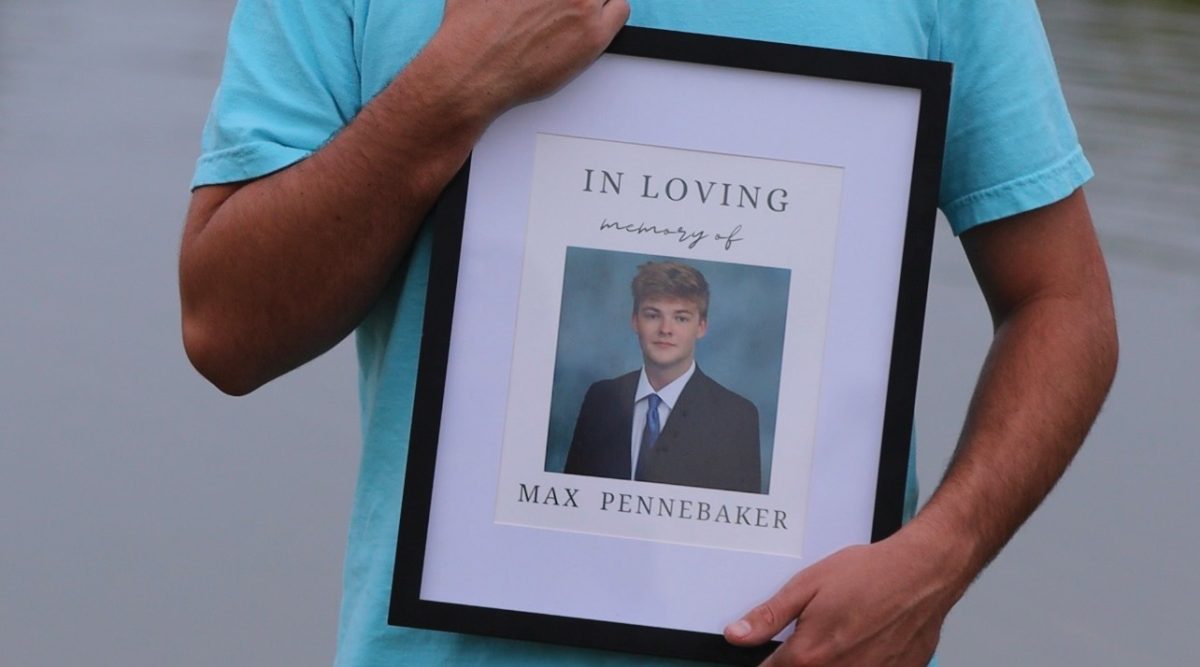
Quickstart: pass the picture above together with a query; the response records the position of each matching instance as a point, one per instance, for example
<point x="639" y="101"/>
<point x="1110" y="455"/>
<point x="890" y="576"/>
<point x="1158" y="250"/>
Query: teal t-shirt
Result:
<point x="298" y="71"/>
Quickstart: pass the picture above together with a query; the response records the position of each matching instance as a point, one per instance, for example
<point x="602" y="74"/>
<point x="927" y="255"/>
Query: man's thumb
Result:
<point x="761" y="623"/>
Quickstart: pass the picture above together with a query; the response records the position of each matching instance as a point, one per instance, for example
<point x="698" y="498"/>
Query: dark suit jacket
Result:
<point x="710" y="439"/>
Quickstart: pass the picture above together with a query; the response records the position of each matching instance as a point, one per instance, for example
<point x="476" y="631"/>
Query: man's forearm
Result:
<point x="275" y="271"/>
<point x="1048" y="371"/>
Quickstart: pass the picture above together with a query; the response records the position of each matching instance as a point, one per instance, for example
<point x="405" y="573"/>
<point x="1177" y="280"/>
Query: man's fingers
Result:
<point x="614" y="14"/>
<point x="769" y="618"/>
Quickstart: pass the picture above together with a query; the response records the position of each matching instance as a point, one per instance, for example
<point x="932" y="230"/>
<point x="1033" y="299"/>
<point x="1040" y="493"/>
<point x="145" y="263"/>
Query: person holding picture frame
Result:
<point x="337" y="124"/>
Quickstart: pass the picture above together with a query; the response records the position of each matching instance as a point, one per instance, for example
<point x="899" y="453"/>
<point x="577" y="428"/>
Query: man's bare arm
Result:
<point x="275" y="271"/>
<point x="1045" y="378"/>
<point x="1051" y="363"/>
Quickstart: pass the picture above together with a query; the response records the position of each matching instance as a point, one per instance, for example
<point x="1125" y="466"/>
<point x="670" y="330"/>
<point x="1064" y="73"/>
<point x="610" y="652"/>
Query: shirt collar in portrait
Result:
<point x="670" y="393"/>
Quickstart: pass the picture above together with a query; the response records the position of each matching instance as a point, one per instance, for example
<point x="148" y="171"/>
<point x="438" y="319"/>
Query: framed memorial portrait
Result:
<point x="671" y="340"/>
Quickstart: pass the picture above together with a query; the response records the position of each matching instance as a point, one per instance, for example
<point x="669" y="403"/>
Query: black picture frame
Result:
<point x="409" y="608"/>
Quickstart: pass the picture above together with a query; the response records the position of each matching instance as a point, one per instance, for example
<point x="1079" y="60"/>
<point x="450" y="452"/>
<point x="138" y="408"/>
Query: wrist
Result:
<point x="463" y="81"/>
<point x="950" y="556"/>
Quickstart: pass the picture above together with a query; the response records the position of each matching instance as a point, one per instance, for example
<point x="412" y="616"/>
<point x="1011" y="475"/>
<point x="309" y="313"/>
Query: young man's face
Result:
<point x="667" y="329"/>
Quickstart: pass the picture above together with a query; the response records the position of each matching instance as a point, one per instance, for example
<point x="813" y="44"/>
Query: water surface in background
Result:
<point x="1131" y="71"/>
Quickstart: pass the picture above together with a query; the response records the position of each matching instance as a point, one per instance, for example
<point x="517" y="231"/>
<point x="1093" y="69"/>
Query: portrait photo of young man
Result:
<point x="668" y="422"/>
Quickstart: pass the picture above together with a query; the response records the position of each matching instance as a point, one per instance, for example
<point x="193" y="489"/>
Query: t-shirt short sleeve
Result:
<point x="1010" y="143"/>
<point x="290" y="81"/>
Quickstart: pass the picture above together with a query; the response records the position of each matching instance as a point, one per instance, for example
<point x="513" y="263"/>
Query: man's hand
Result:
<point x="859" y="607"/>
<point x="274" y="271"/>
<point x="518" y="51"/>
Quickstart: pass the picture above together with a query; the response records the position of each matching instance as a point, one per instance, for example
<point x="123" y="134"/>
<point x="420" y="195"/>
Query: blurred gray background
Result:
<point x="145" y="519"/>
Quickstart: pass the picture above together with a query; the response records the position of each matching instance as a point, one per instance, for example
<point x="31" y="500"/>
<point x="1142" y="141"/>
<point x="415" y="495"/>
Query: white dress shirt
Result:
<point x="669" y="395"/>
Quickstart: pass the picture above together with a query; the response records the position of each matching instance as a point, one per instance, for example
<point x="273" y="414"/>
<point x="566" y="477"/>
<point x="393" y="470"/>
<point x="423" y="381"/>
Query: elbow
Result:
<point x="213" y="331"/>
<point x="1110" y="343"/>
<point x="1096" y="338"/>
<point x="216" y="358"/>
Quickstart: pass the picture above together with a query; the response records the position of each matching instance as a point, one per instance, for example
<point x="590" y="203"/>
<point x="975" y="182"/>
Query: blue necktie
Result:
<point x="649" y="434"/>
